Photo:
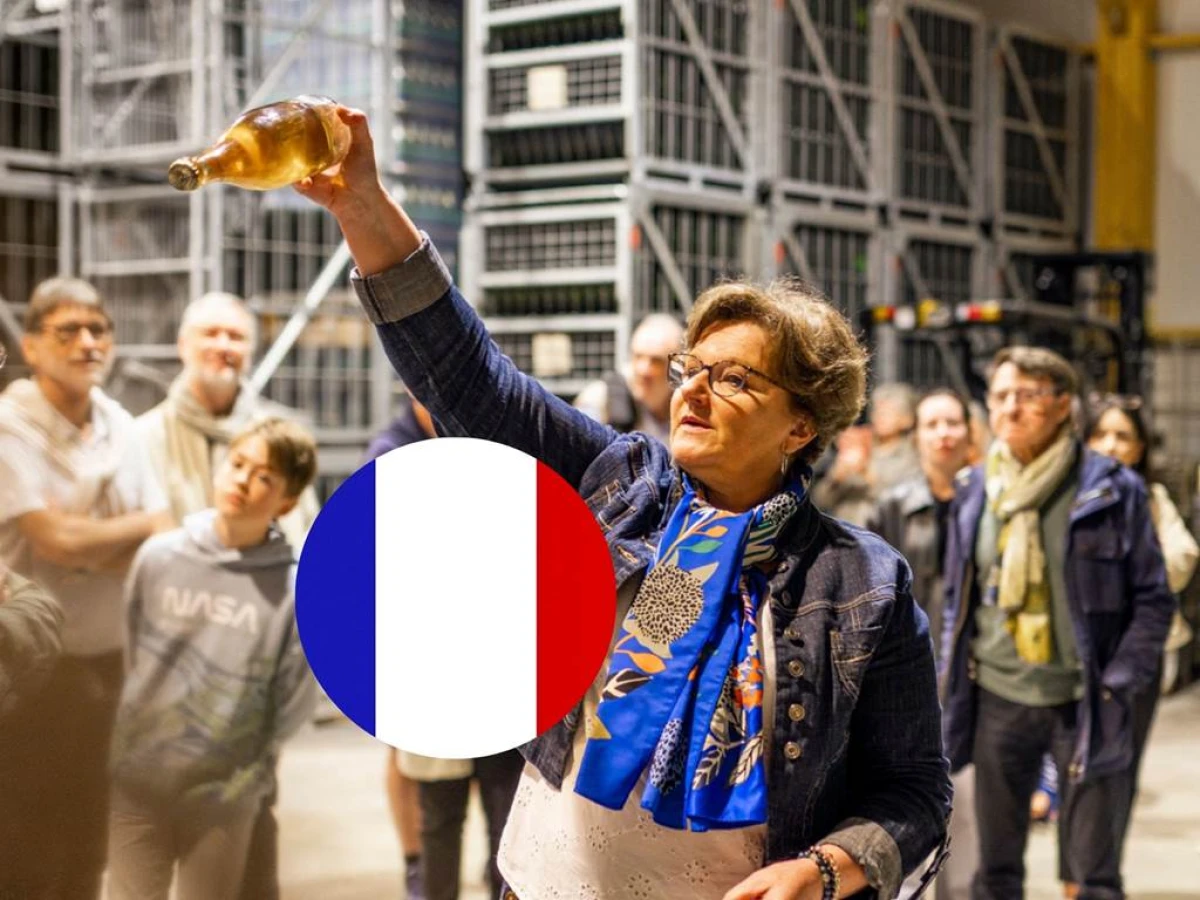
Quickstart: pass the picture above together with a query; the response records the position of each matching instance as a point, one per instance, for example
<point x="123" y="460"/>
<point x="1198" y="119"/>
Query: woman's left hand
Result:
<point x="798" y="879"/>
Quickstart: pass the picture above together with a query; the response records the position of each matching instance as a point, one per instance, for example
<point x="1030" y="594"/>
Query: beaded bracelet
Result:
<point x="831" y="878"/>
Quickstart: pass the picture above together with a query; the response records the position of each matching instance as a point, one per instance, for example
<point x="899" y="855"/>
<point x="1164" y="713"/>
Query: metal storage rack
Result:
<point x="642" y="90"/>
<point x="936" y="113"/>
<point x="840" y="255"/>
<point x="144" y="81"/>
<point x="823" y="87"/>
<point x="926" y="265"/>
<point x="1035" y="113"/>
<point x="1011" y="271"/>
<point x="561" y="283"/>
<point x="30" y="140"/>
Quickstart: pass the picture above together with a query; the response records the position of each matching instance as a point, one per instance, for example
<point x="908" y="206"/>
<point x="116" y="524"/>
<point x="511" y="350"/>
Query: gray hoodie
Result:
<point x="216" y="678"/>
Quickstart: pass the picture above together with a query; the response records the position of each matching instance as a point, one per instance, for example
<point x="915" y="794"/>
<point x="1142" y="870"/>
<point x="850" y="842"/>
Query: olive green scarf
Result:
<point x="1016" y="495"/>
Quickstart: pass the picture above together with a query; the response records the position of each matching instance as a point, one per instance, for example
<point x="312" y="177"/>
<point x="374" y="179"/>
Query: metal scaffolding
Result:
<point x="625" y="154"/>
<point x="105" y="93"/>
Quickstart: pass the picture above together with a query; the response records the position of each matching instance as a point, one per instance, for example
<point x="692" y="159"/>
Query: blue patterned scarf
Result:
<point x="684" y="690"/>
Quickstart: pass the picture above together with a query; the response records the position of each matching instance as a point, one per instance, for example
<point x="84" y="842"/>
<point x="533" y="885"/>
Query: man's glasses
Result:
<point x="1023" y="396"/>
<point x="68" y="332"/>
<point x="726" y="377"/>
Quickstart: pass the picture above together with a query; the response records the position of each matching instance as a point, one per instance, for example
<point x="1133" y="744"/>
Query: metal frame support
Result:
<point x="720" y="97"/>
<point x="300" y="316"/>
<point x="1021" y="83"/>
<point x="1125" y="126"/>
<point x="295" y="44"/>
<point x="799" y="257"/>
<point x="662" y="252"/>
<point x="940" y="112"/>
<point x="834" y="91"/>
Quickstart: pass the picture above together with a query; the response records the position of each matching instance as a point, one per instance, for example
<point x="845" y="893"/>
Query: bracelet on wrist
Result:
<point x="831" y="878"/>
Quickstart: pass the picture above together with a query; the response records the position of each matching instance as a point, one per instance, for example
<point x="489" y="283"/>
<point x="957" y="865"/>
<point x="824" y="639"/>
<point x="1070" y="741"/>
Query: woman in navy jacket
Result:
<point x="777" y="730"/>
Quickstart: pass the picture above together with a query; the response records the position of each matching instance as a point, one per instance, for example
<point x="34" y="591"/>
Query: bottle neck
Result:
<point x="223" y="159"/>
<point x="218" y="163"/>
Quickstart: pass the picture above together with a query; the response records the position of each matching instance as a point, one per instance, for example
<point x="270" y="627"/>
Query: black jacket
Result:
<point x="907" y="518"/>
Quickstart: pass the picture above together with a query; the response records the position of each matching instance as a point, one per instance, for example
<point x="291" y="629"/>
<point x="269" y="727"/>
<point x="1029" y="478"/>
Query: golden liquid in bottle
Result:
<point x="269" y="147"/>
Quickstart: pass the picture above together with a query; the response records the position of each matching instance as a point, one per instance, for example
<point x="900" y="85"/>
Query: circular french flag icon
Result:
<point x="455" y="598"/>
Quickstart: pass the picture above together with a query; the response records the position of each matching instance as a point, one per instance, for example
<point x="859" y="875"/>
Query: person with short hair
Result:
<point x="767" y="721"/>
<point x="217" y="677"/>
<point x="638" y="398"/>
<point x="77" y="498"/>
<point x="1057" y="607"/>
<point x="894" y="457"/>
<point x="188" y="434"/>
<point x="870" y="460"/>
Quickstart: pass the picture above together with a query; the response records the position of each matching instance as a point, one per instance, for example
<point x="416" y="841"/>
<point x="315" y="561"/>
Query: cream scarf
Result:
<point x="180" y="434"/>
<point x="26" y="414"/>
<point x="185" y="441"/>
<point x="1015" y="496"/>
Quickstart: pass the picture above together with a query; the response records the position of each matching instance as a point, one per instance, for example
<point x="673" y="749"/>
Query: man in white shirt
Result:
<point x="77" y="499"/>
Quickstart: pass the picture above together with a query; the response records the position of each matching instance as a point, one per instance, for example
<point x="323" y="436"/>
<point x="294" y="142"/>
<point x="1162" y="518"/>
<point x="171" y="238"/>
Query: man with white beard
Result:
<point x="187" y="436"/>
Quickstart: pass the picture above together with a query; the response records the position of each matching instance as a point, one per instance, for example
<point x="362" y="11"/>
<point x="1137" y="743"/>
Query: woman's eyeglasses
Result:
<point x="727" y="377"/>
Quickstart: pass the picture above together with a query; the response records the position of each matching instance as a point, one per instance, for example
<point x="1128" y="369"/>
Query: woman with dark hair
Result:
<point x="768" y="722"/>
<point x="1116" y="428"/>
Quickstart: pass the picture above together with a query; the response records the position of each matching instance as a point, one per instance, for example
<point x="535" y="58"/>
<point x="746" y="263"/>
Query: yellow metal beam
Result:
<point x="1123" y="191"/>
<point x="1189" y="41"/>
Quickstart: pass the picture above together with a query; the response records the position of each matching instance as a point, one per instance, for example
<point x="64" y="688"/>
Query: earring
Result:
<point x="785" y="464"/>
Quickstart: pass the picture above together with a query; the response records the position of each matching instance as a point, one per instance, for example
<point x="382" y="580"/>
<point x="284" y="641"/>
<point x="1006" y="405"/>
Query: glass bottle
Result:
<point x="269" y="147"/>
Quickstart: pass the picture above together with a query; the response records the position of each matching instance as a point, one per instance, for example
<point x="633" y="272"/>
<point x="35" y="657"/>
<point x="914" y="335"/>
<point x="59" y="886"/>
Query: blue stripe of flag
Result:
<point x="335" y="598"/>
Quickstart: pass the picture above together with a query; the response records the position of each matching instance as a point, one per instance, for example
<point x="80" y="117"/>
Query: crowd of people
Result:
<point x="847" y="657"/>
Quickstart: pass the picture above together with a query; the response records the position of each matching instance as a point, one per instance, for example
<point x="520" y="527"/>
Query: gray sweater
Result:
<point x="217" y="678"/>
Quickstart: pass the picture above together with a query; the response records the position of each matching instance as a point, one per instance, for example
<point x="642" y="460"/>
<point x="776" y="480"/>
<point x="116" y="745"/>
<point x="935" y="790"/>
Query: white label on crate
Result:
<point x="551" y="355"/>
<point x="546" y="87"/>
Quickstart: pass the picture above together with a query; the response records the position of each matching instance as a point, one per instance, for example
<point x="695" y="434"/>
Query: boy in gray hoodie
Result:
<point x="217" y="679"/>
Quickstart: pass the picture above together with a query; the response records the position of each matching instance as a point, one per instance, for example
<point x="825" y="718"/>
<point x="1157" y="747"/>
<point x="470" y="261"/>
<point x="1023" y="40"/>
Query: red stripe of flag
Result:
<point x="576" y="598"/>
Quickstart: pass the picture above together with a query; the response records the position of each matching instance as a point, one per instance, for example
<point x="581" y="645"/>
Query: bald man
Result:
<point x="639" y="398"/>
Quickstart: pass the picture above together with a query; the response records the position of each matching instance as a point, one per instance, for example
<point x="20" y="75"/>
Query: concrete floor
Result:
<point x="337" y="841"/>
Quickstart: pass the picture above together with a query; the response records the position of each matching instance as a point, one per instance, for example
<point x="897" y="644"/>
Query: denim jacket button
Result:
<point x="792" y="750"/>
<point x="796" y="712"/>
<point x="796" y="668"/>
<point x="791" y="633"/>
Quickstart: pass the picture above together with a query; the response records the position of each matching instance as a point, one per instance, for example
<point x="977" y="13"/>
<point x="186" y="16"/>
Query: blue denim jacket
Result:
<point x="856" y="755"/>
<point x="1120" y="603"/>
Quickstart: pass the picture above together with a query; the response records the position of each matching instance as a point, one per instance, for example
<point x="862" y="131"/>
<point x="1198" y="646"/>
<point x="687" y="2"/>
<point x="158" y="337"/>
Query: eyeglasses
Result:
<point x="1023" y="396"/>
<point x="68" y="332"/>
<point x="1120" y="401"/>
<point x="726" y="377"/>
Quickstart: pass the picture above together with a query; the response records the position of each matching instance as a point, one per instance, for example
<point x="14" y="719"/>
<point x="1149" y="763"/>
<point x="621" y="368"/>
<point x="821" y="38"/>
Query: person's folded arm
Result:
<point x="76" y="541"/>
